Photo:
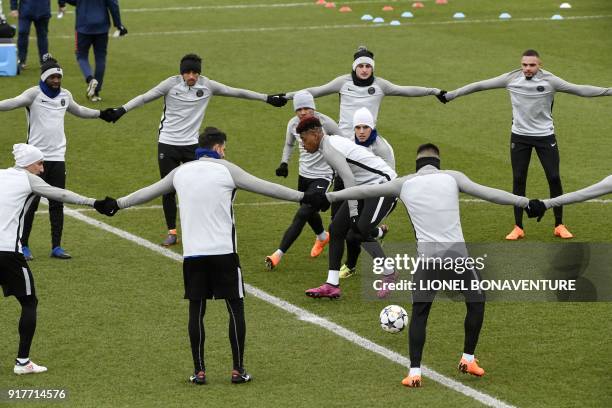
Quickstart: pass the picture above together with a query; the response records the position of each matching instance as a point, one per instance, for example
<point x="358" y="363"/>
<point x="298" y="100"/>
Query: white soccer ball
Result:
<point x="393" y="319"/>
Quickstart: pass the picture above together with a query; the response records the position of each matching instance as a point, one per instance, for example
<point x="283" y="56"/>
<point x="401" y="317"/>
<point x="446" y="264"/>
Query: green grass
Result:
<point x="112" y="321"/>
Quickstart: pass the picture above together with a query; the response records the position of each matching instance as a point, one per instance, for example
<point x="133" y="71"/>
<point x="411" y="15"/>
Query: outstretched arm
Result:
<point x="580" y="90"/>
<point x="392" y="188"/>
<point x="218" y="88"/>
<point x="23" y="100"/>
<point x="160" y="90"/>
<point x="163" y="186"/>
<point x="289" y="144"/>
<point x="493" y="83"/>
<point x="596" y="190"/>
<point x="82" y="111"/>
<point x="327" y="89"/>
<point x="248" y="182"/>
<point x="39" y="187"/>
<point x="391" y="89"/>
<point x="486" y="193"/>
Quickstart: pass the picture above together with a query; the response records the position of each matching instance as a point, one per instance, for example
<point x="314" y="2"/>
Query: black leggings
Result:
<point x="55" y="175"/>
<point x="371" y="212"/>
<point x="169" y="157"/>
<point x="305" y="214"/>
<point x="27" y="324"/>
<point x="237" y="331"/>
<point x="520" y="155"/>
<point x="418" y="323"/>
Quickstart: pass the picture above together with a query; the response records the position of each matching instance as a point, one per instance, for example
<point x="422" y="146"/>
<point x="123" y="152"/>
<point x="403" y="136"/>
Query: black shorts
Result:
<point x="213" y="277"/>
<point x="308" y="184"/>
<point x="15" y="275"/>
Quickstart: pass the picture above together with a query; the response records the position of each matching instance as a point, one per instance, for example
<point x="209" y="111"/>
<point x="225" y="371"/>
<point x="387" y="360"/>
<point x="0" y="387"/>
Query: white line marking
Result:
<point x="341" y="26"/>
<point x="307" y="316"/>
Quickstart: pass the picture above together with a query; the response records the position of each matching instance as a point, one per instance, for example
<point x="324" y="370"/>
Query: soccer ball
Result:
<point x="393" y="319"/>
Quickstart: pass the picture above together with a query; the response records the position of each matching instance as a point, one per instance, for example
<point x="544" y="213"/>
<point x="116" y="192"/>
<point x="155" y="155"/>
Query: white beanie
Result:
<point x="26" y="154"/>
<point x="363" y="60"/>
<point x="303" y="99"/>
<point x="363" y="117"/>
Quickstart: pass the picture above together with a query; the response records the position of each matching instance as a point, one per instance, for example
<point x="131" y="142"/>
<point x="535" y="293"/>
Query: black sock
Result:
<point x="27" y="324"/>
<point x="417" y="331"/>
<point x="237" y="330"/>
<point x="197" y="309"/>
<point x="472" y="325"/>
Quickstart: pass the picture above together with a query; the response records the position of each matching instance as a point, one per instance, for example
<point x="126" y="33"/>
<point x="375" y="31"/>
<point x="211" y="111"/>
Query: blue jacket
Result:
<point x="92" y="16"/>
<point x="32" y="9"/>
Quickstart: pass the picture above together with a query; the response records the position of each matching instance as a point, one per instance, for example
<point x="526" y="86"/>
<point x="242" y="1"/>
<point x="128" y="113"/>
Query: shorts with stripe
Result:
<point x="213" y="277"/>
<point x="15" y="275"/>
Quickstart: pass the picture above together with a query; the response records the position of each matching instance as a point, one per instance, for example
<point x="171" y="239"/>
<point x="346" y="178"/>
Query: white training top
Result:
<point x="596" y="190"/>
<point x="532" y="99"/>
<point x="353" y="97"/>
<point x="45" y="118"/>
<point x="312" y="165"/>
<point x="185" y="106"/>
<point x="355" y="164"/>
<point x="18" y="189"/>
<point x="206" y="189"/>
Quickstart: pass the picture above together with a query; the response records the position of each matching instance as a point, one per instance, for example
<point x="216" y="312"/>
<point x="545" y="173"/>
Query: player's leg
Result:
<point x="168" y="158"/>
<point x="548" y="153"/>
<point x="82" y="44"/>
<point x="237" y="334"/>
<point x="100" y="45"/>
<point x="474" y="317"/>
<point x="338" y="229"/>
<point x="520" y="156"/>
<point x="23" y="36"/>
<point x="417" y="332"/>
<point x="198" y="288"/>
<point x="56" y="176"/>
<point x="338" y="186"/>
<point x="42" y="31"/>
<point x="316" y="222"/>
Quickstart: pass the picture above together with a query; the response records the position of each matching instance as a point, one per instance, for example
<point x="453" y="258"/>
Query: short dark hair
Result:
<point x="211" y="137"/>
<point x="428" y="148"/>
<point x="531" y="53"/>
<point x="191" y="62"/>
<point x="192" y="57"/>
<point x="308" y="123"/>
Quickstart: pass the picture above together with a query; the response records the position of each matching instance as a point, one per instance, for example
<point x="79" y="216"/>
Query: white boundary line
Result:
<point x="342" y="26"/>
<point x="307" y="316"/>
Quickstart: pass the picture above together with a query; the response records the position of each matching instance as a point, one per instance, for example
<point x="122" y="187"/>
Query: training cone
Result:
<point x="367" y="17"/>
<point x="505" y="16"/>
<point x="330" y="5"/>
<point x="557" y="17"/>
<point x="441" y="1"/>
<point x="344" y="9"/>
<point x="407" y="14"/>
<point x="395" y="23"/>
<point x="378" y="20"/>
<point x="418" y="4"/>
<point x="459" y="15"/>
<point x="565" y="6"/>
<point x="387" y="8"/>
<point x="321" y="2"/>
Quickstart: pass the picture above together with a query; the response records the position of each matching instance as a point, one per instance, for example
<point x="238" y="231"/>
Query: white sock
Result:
<point x="415" y="371"/>
<point x="22" y="361"/>
<point x="333" y="277"/>
<point x="468" y="357"/>
<point x="322" y="236"/>
<point x="279" y="253"/>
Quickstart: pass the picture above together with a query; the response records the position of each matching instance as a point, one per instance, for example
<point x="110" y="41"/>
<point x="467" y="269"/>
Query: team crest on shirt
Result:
<point x="371" y="90"/>
<point x="63" y="102"/>
<point x="200" y="93"/>
<point x="540" y="88"/>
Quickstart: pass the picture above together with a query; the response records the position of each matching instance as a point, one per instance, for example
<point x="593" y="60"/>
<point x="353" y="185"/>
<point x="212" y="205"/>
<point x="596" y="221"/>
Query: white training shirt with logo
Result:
<point x="353" y="97"/>
<point x="532" y="99"/>
<point x="185" y="106"/>
<point x="45" y="117"/>
<point x="18" y="189"/>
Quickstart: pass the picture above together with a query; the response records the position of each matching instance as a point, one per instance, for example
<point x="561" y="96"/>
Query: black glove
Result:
<point x="535" y="208"/>
<point x="108" y="206"/>
<point x="118" y="113"/>
<point x="441" y="96"/>
<point x="277" y="100"/>
<point x="283" y="170"/>
<point x="107" y="115"/>
<point x="122" y="31"/>
<point x="316" y="199"/>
